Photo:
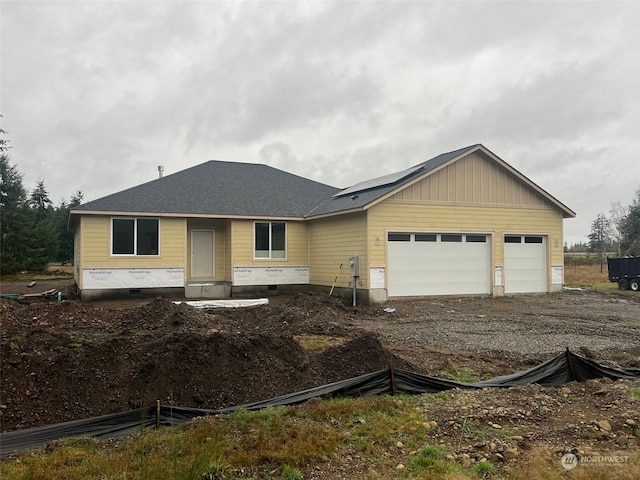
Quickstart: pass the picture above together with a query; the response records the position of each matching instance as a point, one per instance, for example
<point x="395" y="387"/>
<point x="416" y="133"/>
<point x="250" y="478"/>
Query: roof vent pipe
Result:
<point x="160" y="171"/>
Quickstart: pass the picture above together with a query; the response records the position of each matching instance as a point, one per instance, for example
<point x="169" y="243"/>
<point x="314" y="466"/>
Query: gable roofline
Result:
<point x="362" y="195"/>
<point x="422" y="171"/>
<point x="436" y="167"/>
<point x="566" y="211"/>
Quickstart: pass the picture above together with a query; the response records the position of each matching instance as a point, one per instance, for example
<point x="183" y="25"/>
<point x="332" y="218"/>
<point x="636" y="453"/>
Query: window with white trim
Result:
<point x="270" y="239"/>
<point x="135" y="236"/>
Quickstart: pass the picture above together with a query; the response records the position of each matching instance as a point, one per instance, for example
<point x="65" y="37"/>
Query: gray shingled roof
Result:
<point x="358" y="199"/>
<point x="255" y="190"/>
<point x="220" y="188"/>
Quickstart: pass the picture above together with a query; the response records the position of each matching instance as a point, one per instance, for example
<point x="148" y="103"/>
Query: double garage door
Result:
<point x="460" y="264"/>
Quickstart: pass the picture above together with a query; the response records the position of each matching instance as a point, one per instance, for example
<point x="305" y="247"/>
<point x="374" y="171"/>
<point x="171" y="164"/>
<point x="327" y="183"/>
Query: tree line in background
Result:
<point x="617" y="234"/>
<point x="33" y="231"/>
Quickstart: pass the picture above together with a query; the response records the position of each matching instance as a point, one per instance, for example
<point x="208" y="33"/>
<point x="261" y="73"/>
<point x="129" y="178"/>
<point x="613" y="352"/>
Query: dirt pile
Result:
<point x="67" y="360"/>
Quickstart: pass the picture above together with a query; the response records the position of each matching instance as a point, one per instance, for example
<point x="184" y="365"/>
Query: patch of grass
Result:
<point x="216" y="470"/>
<point x="634" y="393"/>
<point x="620" y="356"/>
<point x="431" y="463"/>
<point x="469" y="428"/>
<point x="590" y="276"/>
<point x="484" y="469"/>
<point x="319" y="343"/>
<point x="373" y="425"/>
<point x="254" y="443"/>
<point x="587" y="352"/>
<point x="435" y="399"/>
<point x="291" y="473"/>
<point x="506" y="432"/>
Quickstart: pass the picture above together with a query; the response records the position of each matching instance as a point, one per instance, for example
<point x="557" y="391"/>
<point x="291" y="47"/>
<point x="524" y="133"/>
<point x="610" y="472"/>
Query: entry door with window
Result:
<point x="202" y="253"/>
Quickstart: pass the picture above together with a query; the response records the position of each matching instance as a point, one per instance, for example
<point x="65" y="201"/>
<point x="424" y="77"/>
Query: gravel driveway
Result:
<point x="530" y="325"/>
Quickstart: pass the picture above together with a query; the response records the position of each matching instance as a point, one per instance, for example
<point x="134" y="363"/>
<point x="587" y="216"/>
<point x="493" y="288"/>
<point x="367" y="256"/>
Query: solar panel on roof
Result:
<point x="378" y="182"/>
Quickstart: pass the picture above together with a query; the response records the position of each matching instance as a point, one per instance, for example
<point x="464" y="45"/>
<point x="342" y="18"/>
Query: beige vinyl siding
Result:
<point x="331" y="242"/>
<point x="221" y="238"/>
<point x="402" y="216"/>
<point x="77" y="259"/>
<point x="228" y="254"/>
<point x="243" y="245"/>
<point x="96" y="245"/>
<point x="474" y="179"/>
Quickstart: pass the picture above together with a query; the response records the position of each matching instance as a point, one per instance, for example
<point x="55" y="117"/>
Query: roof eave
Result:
<point x="116" y="213"/>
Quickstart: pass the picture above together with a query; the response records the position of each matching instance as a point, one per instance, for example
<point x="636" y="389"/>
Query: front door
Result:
<point x="202" y="253"/>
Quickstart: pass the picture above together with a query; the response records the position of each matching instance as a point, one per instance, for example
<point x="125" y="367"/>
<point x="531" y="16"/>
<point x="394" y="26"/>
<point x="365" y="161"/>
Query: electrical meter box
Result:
<point x="355" y="266"/>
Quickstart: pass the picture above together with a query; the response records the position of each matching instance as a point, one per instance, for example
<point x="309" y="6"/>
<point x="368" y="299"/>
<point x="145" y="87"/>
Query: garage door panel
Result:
<point x="525" y="265"/>
<point x="419" y="268"/>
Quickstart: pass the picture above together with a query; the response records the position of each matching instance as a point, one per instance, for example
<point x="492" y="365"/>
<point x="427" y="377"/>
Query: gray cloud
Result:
<point x="95" y="95"/>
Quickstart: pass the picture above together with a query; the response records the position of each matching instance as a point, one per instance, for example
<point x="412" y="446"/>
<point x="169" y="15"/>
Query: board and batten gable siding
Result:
<point x="474" y="179"/>
<point x="332" y="241"/>
<point x="242" y="239"/>
<point x="96" y="245"/>
<point x="222" y="271"/>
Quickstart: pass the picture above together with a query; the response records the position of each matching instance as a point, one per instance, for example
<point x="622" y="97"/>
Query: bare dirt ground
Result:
<point x="67" y="360"/>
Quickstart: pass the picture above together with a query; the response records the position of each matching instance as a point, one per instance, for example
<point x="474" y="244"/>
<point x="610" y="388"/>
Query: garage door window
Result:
<point x="451" y="238"/>
<point x="476" y="239"/>
<point x="512" y="239"/>
<point x="399" y="237"/>
<point x="425" y="237"/>
<point x="532" y="239"/>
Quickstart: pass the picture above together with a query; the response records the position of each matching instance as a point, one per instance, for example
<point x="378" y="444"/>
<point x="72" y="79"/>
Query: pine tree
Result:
<point x="14" y="219"/>
<point x="600" y="237"/>
<point x="65" y="250"/>
<point x="630" y="229"/>
<point x="43" y="234"/>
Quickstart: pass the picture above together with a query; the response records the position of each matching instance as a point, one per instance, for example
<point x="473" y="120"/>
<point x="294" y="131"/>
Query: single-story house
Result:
<point x="462" y="223"/>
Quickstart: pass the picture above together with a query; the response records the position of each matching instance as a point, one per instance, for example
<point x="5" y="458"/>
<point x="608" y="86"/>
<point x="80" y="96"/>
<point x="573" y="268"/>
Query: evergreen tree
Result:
<point x="600" y="237"/>
<point x="43" y="234"/>
<point x="65" y="250"/>
<point x="630" y="229"/>
<point x="39" y="200"/>
<point x="14" y="219"/>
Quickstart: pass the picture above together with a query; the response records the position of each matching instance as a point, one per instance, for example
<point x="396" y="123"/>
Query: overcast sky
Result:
<point x="96" y="94"/>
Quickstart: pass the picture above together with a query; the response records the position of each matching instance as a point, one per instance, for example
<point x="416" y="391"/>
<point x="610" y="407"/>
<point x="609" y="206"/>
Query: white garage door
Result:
<point x="525" y="264"/>
<point x="438" y="264"/>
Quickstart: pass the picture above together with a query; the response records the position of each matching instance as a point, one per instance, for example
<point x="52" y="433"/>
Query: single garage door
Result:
<point x="525" y="264"/>
<point x="438" y="264"/>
